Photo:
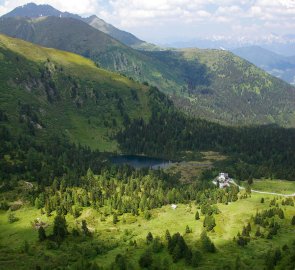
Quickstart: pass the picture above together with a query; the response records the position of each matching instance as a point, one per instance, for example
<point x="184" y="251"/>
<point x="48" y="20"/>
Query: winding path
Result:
<point x="263" y="192"/>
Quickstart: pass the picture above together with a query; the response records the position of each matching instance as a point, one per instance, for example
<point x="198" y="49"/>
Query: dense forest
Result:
<point x="41" y="161"/>
<point x="257" y="151"/>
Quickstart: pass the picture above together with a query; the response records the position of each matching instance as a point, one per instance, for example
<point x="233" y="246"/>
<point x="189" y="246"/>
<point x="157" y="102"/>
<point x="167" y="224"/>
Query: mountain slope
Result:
<point x="277" y="65"/>
<point x="212" y="84"/>
<point x="231" y="90"/>
<point x="78" y="37"/>
<point x="45" y="91"/>
<point x="32" y="10"/>
<point x="125" y="37"/>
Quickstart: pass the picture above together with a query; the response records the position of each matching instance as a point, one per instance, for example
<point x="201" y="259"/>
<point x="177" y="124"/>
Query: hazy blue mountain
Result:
<point x="277" y="65"/>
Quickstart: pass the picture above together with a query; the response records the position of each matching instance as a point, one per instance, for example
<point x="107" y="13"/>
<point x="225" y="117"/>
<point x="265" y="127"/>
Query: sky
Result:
<point x="162" y="21"/>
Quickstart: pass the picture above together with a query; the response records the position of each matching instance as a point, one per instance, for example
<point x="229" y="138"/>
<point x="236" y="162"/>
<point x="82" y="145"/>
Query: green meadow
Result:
<point x="277" y="186"/>
<point x="111" y="239"/>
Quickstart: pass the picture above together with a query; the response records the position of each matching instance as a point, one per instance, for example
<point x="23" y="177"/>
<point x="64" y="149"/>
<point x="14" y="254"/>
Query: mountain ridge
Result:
<point x="280" y="66"/>
<point x="212" y="84"/>
<point x="32" y="10"/>
<point x="43" y="88"/>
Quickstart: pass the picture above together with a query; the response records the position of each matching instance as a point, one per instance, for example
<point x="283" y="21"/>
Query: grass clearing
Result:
<point x="229" y="222"/>
<point x="277" y="186"/>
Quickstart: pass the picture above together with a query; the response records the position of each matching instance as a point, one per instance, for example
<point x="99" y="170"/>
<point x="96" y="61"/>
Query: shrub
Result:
<point x="4" y="206"/>
<point x="12" y="218"/>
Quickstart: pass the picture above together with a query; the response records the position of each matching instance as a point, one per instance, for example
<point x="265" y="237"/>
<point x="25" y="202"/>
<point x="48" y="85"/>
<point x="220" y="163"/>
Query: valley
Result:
<point x="118" y="154"/>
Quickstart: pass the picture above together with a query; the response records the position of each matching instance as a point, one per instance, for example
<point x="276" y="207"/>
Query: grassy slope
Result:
<point x="278" y="65"/>
<point x="79" y="37"/>
<point x="240" y="87"/>
<point x="231" y="220"/>
<point x="277" y="186"/>
<point x="21" y="82"/>
<point x="238" y="92"/>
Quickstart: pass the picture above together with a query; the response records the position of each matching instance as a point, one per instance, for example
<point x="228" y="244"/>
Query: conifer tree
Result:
<point x="60" y="228"/>
<point x="206" y="243"/>
<point x="197" y="216"/>
<point x="149" y="238"/>
<point x="41" y="234"/>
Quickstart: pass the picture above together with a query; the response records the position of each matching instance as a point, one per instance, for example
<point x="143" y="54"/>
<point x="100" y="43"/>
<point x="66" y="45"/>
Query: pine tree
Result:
<point x="248" y="227"/>
<point x="146" y="259"/>
<point x="41" y="234"/>
<point x="187" y="229"/>
<point x="167" y="236"/>
<point x="37" y="203"/>
<point x="85" y="228"/>
<point x="206" y="243"/>
<point x="188" y="256"/>
<point x="209" y="222"/>
<point x="149" y="238"/>
<point x="157" y="245"/>
<point x="48" y="208"/>
<point x="120" y="262"/>
<point x="60" y="228"/>
<point x="176" y="253"/>
<point x="196" y="258"/>
<point x="258" y="233"/>
<point x="115" y="218"/>
<point x="281" y="214"/>
<point x="197" y="216"/>
<point x="147" y="215"/>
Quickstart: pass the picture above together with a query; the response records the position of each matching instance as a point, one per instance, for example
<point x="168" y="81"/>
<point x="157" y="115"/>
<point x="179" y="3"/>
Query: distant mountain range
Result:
<point x="277" y="65"/>
<point x="211" y="84"/>
<point x="283" y="45"/>
<point x="32" y="10"/>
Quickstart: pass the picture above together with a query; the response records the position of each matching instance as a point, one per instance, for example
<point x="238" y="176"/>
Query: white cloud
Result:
<point x="155" y="19"/>
<point x="74" y="6"/>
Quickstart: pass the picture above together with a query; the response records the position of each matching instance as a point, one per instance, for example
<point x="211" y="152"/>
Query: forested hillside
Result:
<point x="64" y="205"/>
<point x="263" y="151"/>
<point x="45" y="91"/>
<point x="211" y="84"/>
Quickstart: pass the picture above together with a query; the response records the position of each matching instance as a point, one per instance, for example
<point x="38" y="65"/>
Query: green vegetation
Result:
<point x="128" y="242"/>
<point x="64" y="206"/>
<point x="277" y="186"/>
<point x="253" y="152"/>
<point x="44" y="89"/>
<point x="209" y="84"/>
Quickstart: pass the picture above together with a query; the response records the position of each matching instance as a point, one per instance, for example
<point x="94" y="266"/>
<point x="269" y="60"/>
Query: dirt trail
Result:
<point x="263" y="192"/>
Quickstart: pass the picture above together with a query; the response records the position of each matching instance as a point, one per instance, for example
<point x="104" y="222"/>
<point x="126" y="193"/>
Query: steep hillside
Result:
<point x="277" y="65"/>
<point x="78" y="37"/>
<point x="212" y="84"/>
<point x="45" y="91"/>
<point x="124" y="37"/>
<point x="228" y="89"/>
<point x="32" y="10"/>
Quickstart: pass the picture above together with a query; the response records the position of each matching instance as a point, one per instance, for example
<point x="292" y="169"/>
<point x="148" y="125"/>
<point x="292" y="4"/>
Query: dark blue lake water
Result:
<point x="139" y="162"/>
